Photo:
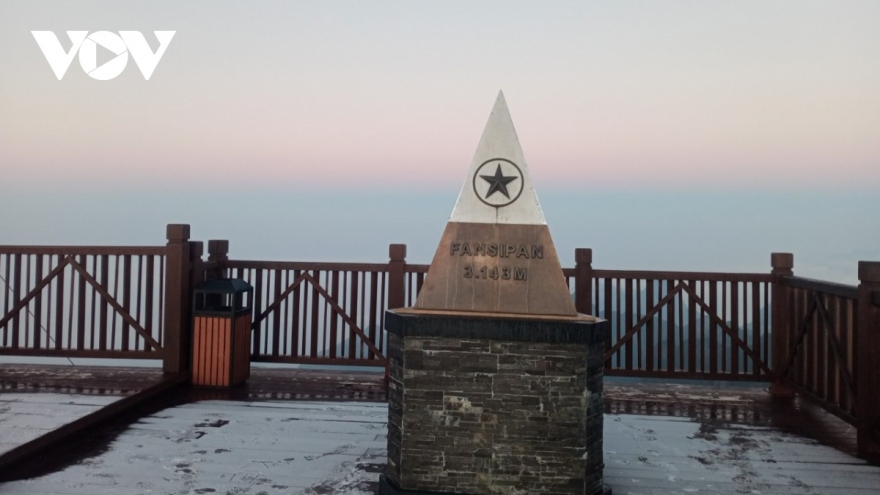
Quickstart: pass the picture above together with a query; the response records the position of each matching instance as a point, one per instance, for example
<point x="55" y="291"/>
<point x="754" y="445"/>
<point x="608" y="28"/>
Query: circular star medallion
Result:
<point x="498" y="182"/>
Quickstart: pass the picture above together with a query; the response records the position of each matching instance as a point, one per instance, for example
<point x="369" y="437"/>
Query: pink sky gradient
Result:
<point x="330" y="94"/>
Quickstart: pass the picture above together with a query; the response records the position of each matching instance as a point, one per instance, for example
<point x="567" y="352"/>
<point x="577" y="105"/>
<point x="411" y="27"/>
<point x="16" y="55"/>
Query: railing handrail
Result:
<point x="307" y="265"/>
<point x="666" y="275"/>
<point x="833" y="288"/>
<point x="417" y="268"/>
<point x="84" y="250"/>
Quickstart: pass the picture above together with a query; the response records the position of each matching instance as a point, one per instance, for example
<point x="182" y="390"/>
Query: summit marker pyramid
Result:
<point x="496" y="254"/>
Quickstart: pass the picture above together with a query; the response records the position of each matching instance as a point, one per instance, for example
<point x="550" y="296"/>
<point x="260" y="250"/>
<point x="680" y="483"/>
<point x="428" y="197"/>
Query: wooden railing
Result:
<point x="827" y="343"/>
<point x="713" y="326"/>
<point x="320" y="313"/>
<point x="101" y="301"/>
<point x="317" y="313"/>
<point x="818" y="338"/>
<point x="821" y="342"/>
<point x="415" y="277"/>
<point x="687" y="325"/>
<point x="105" y="302"/>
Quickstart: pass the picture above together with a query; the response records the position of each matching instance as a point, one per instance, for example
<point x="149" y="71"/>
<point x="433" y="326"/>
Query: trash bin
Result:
<point x="222" y="317"/>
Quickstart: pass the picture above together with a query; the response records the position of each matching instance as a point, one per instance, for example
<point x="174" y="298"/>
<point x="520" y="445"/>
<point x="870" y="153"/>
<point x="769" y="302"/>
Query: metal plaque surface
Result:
<point x="496" y="254"/>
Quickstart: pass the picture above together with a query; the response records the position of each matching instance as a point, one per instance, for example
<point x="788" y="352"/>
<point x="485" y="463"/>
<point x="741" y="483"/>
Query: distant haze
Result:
<point x="828" y="232"/>
<point x="681" y="135"/>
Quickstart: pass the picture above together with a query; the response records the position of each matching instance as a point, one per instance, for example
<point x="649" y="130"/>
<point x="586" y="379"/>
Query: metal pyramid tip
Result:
<point x="500" y="100"/>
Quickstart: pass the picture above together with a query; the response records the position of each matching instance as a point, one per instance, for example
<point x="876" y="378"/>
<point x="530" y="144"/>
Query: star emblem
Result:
<point x="508" y="180"/>
<point x="498" y="182"/>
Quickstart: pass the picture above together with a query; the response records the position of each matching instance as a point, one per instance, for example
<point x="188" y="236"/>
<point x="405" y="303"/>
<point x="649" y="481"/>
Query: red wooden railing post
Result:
<point x="178" y="266"/>
<point x="396" y="284"/>
<point x="867" y="374"/>
<point x="396" y="276"/>
<point x="780" y="321"/>
<point x="196" y="269"/>
<point x="196" y="277"/>
<point x="218" y="250"/>
<point x="583" y="280"/>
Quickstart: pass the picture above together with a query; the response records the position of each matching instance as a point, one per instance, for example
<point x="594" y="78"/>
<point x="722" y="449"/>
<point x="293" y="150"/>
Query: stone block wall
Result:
<point x="482" y="415"/>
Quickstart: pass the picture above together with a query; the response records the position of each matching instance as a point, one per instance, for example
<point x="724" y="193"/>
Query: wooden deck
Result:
<point x="663" y="455"/>
<point x="26" y="417"/>
<point x="85" y="380"/>
<point x="320" y="432"/>
<point x="729" y="403"/>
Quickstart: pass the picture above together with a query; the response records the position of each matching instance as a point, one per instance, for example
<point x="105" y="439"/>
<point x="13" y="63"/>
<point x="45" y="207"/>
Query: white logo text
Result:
<point x="86" y="44"/>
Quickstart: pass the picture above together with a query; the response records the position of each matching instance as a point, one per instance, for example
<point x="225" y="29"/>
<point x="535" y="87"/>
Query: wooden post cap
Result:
<point x="583" y="256"/>
<point x="869" y="271"/>
<point x="397" y="251"/>
<point x="196" y="249"/>
<point x="217" y="246"/>
<point x="177" y="232"/>
<point x="782" y="260"/>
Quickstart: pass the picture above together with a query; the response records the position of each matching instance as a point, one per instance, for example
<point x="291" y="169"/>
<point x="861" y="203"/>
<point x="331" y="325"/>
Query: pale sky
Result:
<point x="755" y="123"/>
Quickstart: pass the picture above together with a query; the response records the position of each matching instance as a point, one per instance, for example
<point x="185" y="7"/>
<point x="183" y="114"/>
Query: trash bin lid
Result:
<point x="224" y="286"/>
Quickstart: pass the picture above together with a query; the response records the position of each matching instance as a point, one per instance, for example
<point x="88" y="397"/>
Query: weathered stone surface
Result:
<point x="510" y="417"/>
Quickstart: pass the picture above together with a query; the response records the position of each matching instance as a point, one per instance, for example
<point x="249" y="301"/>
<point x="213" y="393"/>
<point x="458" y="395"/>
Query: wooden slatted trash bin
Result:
<point x="222" y="316"/>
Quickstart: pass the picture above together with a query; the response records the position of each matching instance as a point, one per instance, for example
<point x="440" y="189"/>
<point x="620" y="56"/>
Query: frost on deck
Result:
<point x="262" y="448"/>
<point x="234" y="447"/>
<point x="648" y="455"/>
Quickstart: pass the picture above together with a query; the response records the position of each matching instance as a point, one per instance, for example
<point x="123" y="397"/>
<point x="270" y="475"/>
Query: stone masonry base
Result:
<point x="494" y="406"/>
